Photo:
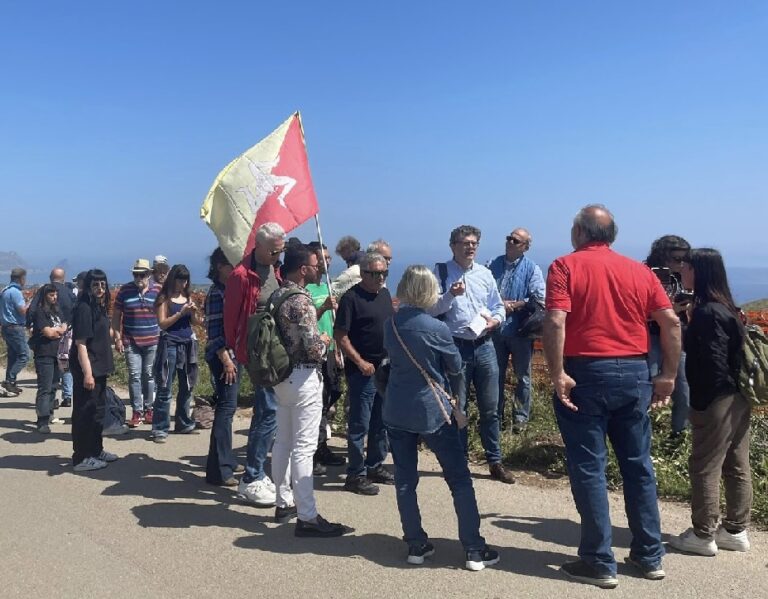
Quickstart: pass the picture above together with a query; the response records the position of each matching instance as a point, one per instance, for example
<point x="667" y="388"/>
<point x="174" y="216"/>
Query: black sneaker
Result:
<point x="583" y="572"/>
<point x="381" y="475"/>
<point x="649" y="572"/>
<point x="477" y="560"/>
<point x="56" y="404"/>
<point x="360" y="485"/>
<point x="12" y="388"/>
<point x="318" y="469"/>
<point x="417" y="553"/>
<point x="326" y="457"/>
<point x="66" y="402"/>
<point x="321" y="528"/>
<point x="43" y="429"/>
<point x="285" y="514"/>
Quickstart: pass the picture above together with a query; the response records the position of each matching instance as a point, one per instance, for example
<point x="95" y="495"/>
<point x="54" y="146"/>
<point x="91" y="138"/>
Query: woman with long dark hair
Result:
<point x="90" y="361"/>
<point x="666" y="259"/>
<point x="720" y="414"/>
<point x="176" y="354"/>
<point x="47" y="328"/>
<point x="221" y="465"/>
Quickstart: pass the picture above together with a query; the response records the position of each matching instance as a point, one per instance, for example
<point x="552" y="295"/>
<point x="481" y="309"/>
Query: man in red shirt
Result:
<point x="596" y="344"/>
<point x="247" y="291"/>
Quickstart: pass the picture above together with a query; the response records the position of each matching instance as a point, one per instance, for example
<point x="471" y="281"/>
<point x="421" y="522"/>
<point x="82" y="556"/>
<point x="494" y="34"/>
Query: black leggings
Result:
<point x="87" y="416"/>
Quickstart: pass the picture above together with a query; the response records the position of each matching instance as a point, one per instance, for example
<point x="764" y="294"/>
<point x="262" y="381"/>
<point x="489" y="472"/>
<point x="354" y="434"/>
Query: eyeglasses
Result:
<point x="315" y="266"/>
<point x="387" y="258"/>
<point x="276" y="252"/>
<point x="98" y="284"/>
<point x="377" y="273"/>
<point x="677" y="259"/>
<point x="468" y="244"/>
<point x="141" y="275"/>
<point x="514" y="240"/>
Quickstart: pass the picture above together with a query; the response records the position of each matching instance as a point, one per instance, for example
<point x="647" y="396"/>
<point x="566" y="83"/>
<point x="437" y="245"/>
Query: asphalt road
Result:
<point x="149" y="526"/>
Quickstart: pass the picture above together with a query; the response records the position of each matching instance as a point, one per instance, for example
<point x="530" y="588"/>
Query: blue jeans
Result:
<point x="66" y="385"/>
<point x="261" y="435"/>
<point x="446" y="445"/>
<point x="141" y="379"/>
<point x="521" y="350"/>
<point x="18" y="351"/>
<point x="161" y="420"/>
<point x="613" y="396"/>
<point x="681" y="396"/>
<point x="481" y="368"/>
<point x="221" y="459"/>
<point x="47" y="369"/>
<point x="365" y="418"/>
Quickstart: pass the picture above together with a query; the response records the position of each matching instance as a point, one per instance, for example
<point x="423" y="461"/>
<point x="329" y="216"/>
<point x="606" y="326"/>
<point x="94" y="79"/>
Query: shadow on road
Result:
<point x="558" y="531"/>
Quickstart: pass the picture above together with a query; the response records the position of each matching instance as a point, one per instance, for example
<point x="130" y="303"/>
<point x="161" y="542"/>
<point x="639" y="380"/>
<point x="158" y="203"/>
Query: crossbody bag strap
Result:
<point x="436" y="389"/>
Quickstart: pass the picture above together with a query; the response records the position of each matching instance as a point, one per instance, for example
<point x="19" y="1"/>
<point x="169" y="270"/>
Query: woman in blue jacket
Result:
<point x="423" y="362"/>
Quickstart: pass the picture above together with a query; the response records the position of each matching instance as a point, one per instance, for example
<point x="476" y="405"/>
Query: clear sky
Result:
<point x="115" y="117"/>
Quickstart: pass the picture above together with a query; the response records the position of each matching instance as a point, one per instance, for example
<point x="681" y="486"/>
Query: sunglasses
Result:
<point x="141" y="275"/>
<point x="276" y="252"/>
<point x="377" y="273"/>
<point x="514" y="240"/>
<point x="678" y="260"/>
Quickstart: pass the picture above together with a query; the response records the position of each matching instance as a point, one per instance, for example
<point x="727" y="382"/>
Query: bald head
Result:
<point x="58" y="275"/>
<point x="593" y="224"/>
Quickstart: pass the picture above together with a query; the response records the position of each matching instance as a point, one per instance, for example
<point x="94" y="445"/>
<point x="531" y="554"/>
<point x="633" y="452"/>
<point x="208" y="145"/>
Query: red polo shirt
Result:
<point x="609" y="299"/>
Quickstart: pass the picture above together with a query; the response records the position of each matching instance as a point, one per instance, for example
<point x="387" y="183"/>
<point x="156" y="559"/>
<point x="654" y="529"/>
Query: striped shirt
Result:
<point x="214" y="320"/>
<point x="140" y="326"/>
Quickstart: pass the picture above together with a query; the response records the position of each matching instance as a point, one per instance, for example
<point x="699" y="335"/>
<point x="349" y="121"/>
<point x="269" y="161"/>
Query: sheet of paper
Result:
<point x="478" y="324"/>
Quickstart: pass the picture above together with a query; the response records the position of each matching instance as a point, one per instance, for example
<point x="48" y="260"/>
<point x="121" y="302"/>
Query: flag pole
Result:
<point x="325" y="264"/>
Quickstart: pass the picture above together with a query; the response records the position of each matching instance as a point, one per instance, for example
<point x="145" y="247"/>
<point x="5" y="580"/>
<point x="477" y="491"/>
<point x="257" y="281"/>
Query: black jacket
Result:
<point x="66" y="301"/>
<point x="713" y="345"/>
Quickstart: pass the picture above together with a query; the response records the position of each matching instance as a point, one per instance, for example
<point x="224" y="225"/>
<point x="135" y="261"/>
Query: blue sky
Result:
<point x="116" y="117"/>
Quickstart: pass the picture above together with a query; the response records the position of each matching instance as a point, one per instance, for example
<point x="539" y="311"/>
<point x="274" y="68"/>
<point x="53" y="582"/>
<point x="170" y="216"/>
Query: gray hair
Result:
<point x="526" y="231"/>
<point x="418" y="287"/>
<point x="464" y="231"/>
<point x="269" y="232"/>
<point x="347" y="245"/>
<point x="17" y="274"/>
<point x="375" y="246"/>
<point x="369" y="258"/>
<point x="595" y="226"/>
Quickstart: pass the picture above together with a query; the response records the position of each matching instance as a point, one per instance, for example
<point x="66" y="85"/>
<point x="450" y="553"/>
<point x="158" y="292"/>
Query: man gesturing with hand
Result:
<point x="596" y="344"/>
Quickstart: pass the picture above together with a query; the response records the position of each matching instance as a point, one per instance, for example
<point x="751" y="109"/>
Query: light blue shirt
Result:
<point x="480" y="293"/>
<point x="10" y="302"/>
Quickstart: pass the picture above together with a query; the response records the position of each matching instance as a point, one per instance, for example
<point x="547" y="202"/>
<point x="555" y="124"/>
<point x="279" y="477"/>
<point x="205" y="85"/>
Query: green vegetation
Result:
<point x="756" y="306"/>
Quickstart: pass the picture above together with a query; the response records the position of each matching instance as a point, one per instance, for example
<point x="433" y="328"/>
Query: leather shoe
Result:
<point x="501" y="474"/>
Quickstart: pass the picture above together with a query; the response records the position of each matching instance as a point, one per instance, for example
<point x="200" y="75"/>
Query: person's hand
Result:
<point x="563" y="385"/>
<point x="663" y="386"/>
<point x="366" y="368"/>
<point x="457" y="288"/>
<point x="490" y="323"/>
<point x="229" y="375"/>
<point x="330" y="303"/>
<point x="509" y="306"/>
<point x="325" y="339"/>
<point x="119" y="346"/>
<point x="88" y="382"/>
<point x="680" y="307"/>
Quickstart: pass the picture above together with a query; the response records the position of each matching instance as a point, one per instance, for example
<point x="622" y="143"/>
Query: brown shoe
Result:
<point x="501" y="474"/>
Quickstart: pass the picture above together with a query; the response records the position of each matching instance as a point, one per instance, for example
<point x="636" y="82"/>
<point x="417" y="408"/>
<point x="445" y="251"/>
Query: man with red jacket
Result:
<point x="247" y="292"/>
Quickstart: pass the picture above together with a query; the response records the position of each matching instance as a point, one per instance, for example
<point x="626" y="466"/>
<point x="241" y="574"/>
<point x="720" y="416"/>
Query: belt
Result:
<point x="471" y="342"/>
<point x="594" y="358"/>
<point x="307" y="366"/>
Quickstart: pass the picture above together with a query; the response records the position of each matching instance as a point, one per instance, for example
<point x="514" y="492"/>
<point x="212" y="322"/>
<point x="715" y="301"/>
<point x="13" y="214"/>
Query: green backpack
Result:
<point x="753" y="375"/>
<point x="268" y="360"/>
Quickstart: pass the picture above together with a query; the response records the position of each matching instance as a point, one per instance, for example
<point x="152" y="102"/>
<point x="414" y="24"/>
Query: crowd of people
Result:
<point x="620" y="338"/>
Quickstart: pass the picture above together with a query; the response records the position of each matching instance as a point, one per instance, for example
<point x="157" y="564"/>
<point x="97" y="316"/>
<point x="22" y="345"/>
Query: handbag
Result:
<point x="441" y="395"/>
<point x="531" y="319"/>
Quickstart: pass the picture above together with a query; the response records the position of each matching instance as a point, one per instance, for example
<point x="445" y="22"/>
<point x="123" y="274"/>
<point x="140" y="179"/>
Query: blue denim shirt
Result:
<point x="11" y="301"/>
<point x="410" y="404"/>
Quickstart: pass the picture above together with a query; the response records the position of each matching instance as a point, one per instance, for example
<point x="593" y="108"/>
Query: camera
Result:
<point x="683" y="296"/>
<point x="663" y="273"/>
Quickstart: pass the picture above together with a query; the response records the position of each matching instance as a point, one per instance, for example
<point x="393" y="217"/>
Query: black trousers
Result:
<point x="47" y="368"/>
<point x="87" y="416"/>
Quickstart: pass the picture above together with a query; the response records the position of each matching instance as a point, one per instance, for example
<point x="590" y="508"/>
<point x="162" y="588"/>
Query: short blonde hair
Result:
<point x="418" y="287"/>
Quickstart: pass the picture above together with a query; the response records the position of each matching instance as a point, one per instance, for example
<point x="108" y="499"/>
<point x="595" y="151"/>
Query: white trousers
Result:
<point x="299" y="407"/>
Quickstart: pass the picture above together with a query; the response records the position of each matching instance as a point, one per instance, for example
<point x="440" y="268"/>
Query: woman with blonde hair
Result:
<point x="424" y="365"/>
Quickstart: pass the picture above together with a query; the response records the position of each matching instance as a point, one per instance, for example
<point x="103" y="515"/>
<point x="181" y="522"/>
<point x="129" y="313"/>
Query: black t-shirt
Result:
<point x="45" y="347"/>
<point x="361" y="315"/>
<point x="94" y="328"/>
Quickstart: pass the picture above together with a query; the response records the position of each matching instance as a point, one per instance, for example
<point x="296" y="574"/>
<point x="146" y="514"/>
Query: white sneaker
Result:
<point x="56" y="421"/>
<point x="690" y="543"/>
<point x="268" y="481"/>
<point x="730" y="541"/>
<point x="105" y="456"/>
<point x="90" y="464"/>
<point x="257" y="492"/>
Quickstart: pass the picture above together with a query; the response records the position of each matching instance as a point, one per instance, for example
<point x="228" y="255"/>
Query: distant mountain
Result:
<point x="11" y="260"/>
<point x="756" y="306"/>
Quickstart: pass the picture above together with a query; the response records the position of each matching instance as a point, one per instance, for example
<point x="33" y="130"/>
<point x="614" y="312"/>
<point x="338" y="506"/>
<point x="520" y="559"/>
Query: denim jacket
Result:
<point x="410" y="404"/>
